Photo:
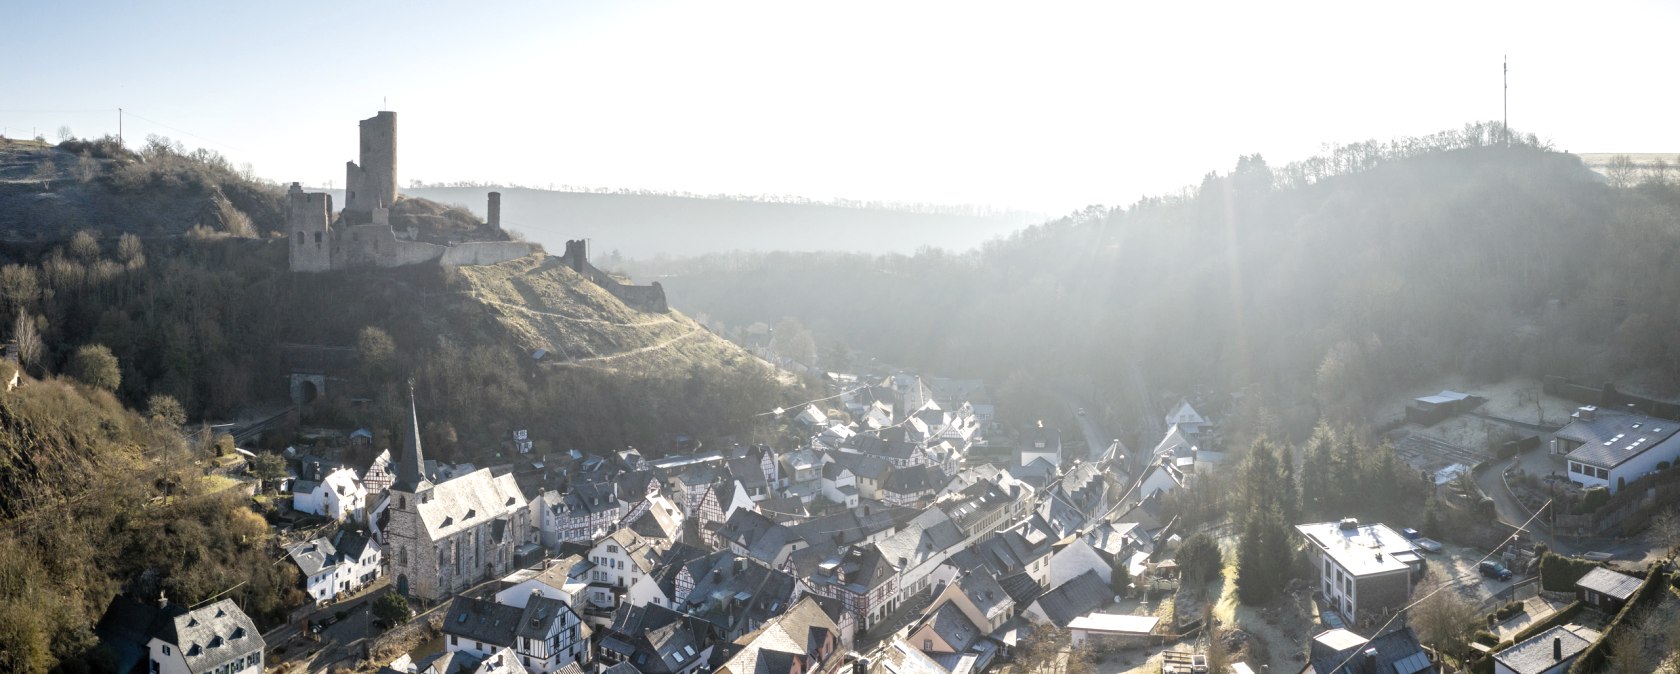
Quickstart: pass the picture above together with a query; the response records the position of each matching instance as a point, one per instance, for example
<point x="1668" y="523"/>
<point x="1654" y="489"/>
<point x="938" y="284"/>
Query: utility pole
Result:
<point x="1505" y="101"/>
<point x="119" y="127"/>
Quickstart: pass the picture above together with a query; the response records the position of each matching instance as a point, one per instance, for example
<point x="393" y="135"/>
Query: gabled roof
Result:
<point x="925" y="538"/>
<point x="1077" y="597"/>
<point x="1339" y="651"/>
<point x="468" y="501"/>
<point x="986" y="594"/>
<point x="954" y="627"/>
<point x="1536" y="654"/>
<point x="1022" y="588"/>
<point x="914" y="480"/>
<point x="787" y="638"/>
<point x="313" y="556"/>
<point x="865" y="466"/>
<point x="734" y="591"/>
<point x="212" y="635"/>
<point x="1184" y="414"/>
<point x="481" y="620"/>
<point x="1607" y="582"/>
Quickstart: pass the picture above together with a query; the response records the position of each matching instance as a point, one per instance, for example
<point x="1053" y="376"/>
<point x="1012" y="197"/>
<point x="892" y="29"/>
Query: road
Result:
<point x="339" y="640"/>
<point x="1509" y="510"/>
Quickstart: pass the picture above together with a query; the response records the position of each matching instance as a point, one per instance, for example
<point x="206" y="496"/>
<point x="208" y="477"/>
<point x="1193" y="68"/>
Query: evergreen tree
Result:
<point x="1317" y="482"/>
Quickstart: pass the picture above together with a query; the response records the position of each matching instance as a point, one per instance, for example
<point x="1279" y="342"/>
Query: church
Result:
<point x="441" y="539"/>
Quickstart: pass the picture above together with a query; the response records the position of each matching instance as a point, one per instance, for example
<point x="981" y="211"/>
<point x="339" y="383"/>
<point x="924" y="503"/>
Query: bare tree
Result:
<point x="28" y="340"/>
<point x="86" y="167"/>
<point x="1658" y="172"/>
<point x="64" y="133"/>
<point x="45" y="172"/>
<point x="1665" y="530"/>
<point x="1630" y="650"/>
<point x="1621" y="172"/>
<point x="1445" y="620"/>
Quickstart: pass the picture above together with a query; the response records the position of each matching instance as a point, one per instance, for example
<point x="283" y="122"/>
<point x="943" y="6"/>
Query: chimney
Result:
<point x="494" y="210"/>
<point x="1371" y="659"/>
<point x="1557" y="649"/>
<point x="717" y="575"/>
<point x="740" y="565"/>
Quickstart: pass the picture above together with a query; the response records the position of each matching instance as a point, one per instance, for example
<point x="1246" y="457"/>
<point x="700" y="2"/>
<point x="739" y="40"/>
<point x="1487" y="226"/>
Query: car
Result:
<point x="1429" y="545"/>
<point x="1495" y="570"/>
<point x="1410" y="533"/>
<point x="1081" y="411"/>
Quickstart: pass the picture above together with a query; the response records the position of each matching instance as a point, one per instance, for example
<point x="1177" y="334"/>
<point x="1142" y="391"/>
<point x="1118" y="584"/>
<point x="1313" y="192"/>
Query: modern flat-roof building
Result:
<point x="1611" y="449"/>
<point x="1364" y="569"/>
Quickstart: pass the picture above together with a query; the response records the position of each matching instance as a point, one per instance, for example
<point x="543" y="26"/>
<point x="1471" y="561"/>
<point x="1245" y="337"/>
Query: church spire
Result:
<point x="411" y="467"/>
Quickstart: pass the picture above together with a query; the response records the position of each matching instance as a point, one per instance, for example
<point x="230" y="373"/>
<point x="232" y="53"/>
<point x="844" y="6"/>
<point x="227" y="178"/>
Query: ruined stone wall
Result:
<point x="373" y="182"/>
<point x="488" y="252"/>
<point x="375" y="245"/>
<point x="649" y="298"/>
<point x="308" y="229"/>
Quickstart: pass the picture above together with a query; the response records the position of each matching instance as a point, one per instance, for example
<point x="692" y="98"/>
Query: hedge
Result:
<point x="1559" y="618"/>
<point x="1649" y="592"/>
<point x="1559" y="573"/>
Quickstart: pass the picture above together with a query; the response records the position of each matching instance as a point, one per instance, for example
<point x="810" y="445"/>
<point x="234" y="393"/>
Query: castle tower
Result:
<point x="494" y="211"/>
<point x="372" y="183"/>
<point x="309" y="227"/>
<point x="407" y="550"/>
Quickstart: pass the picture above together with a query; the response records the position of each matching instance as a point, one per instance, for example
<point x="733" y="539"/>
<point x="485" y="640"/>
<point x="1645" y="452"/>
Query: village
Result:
<point x="906" y="530"/>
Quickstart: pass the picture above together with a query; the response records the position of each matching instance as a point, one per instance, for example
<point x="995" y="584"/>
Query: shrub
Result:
<point x="96" y="366"/>
<point x="1559" y="573"/>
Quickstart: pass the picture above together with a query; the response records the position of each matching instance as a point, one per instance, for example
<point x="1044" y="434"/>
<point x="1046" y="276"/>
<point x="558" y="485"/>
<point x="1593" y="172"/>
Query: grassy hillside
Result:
<point x="95" y="500"/>
<point x="649" y="225"/>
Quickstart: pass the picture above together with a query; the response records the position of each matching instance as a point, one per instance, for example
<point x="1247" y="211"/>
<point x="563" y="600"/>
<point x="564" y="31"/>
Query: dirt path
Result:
<point x="575" y="319"/>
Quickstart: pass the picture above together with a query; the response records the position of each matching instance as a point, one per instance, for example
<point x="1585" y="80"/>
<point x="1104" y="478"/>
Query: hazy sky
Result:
<point x="1044" y="106"/>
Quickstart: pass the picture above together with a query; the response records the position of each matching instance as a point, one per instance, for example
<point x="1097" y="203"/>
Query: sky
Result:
<point x="1042" y="106"/>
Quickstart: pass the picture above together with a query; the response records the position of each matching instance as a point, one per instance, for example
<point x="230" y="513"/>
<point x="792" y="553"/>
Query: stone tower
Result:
<point x="406" y="548"/>
<point x="493" y="213"/>
<point x="309" y="226"/>
<point x="372" y="183"/>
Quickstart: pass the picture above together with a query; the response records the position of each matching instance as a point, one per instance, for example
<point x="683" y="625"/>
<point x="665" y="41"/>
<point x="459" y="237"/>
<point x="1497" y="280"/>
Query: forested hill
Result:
<point x="1319" y="285"/>
<point x="637" y="225"/>
<point x="184" y="279"/>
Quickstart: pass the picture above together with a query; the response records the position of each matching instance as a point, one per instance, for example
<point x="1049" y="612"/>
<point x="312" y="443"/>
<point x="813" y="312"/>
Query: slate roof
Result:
<point x="1077" y="597"/>
<point x="481" y="620"/>
<point x="775" y="646"/>
<point x="735" y="591"/>
<point x="986" y="594"/>
<point x="914" y="480"/>
<point x="1398" y="652"/>
<point x="1022" y="588"/>
<point x="749" y="471"/>
<point x="1534" y="655"/>
<point x="468" y="501"/>
<point x="954" y="627"/>
<point x="211" y="636"/>
<point x="1610" y="439"/>
<point x="313" y="556"/>
<point x="1604" y="581"/>
<point x="864" y="466"/>
<point x="922" y="539"/>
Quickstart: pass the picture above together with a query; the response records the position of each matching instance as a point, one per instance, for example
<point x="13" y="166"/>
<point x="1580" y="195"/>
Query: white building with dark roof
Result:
<point x="1613" y="449"/>
<point x="214" y="639"/>
<point x="446" y="537"/>
<point x="1549" y="652"/>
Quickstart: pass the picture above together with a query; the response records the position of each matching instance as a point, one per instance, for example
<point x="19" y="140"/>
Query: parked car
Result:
<point x="1410" y="533"/>
<point x="1492" y="569"/>
<point x="1429" y="545"/>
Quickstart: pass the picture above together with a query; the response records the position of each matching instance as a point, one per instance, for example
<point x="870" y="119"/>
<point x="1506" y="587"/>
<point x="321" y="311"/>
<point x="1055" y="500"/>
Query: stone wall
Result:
<point x="487" y="252"/>
<point x="308" y="230"/>
<point x="649" y="298"/>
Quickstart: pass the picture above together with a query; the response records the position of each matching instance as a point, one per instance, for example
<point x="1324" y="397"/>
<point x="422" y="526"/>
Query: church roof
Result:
<point x="410" y="477"/>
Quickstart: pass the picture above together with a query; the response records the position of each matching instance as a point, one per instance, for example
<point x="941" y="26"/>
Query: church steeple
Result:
<point x="411" y="467"/>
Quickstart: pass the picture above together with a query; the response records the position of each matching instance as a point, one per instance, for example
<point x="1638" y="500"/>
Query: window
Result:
<point x="927" y="644"/>
<point x="454" y="640"/>
<point x="166" y="649"/>
<point x="317" y="237"/>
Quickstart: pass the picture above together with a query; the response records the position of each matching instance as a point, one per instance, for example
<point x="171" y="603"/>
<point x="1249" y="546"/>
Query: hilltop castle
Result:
<point x="362" y="236"/>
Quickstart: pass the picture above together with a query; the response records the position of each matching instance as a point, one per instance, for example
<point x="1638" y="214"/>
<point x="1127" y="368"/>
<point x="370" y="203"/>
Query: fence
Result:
<point x="1608" y="397"/>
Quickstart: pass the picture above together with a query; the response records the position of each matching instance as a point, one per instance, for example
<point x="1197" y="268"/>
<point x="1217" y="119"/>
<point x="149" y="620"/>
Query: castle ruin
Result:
<point x="362" y="237"/>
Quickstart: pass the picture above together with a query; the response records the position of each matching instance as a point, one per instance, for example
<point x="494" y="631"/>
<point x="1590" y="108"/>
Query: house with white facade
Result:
<point x="337" y="566"/>
<point x="1611" y="449"/>
<point x="338" y="495"/>
<point x="545" y="635"/>
<point x="215" y="638"/>
<point x="1363" y="569"/>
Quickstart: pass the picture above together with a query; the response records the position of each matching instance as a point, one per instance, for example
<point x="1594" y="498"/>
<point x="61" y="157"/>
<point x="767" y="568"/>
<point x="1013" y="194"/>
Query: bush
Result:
<point x="1199" y="559"/>
<point x="1486" y="638"/>
<point x="391" y="608"/>
<point x="96" y="366"/>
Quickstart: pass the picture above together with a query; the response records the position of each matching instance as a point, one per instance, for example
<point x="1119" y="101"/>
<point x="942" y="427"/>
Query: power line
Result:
<point x="1450" y="583"/>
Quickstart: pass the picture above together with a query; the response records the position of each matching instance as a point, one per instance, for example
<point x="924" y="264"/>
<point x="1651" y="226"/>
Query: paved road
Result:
<point x="1509" y="510"/>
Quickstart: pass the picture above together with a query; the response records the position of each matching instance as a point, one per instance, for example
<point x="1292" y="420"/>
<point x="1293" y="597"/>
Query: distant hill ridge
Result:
<point x="649" y="225"/>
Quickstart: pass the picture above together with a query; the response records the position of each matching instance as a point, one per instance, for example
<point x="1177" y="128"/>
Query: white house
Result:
<point x="338" y="495"/>
<point x="1039" y="442"/>
<point x="1186" y="417"/>
<point x="1074" y="559"/>
<point x="1363" y="570"/>
<point x="565" y="579"/>
<point x="1612" y="449"/>
<point x="338" y="566"/>
<point x="545" y="634"/>
<point x="625" y="566"/>
<point x="217" y="638"/>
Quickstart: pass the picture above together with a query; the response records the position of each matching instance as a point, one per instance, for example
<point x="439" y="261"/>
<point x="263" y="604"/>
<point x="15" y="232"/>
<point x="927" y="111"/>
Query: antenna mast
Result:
<point x="1505" y="122"/>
